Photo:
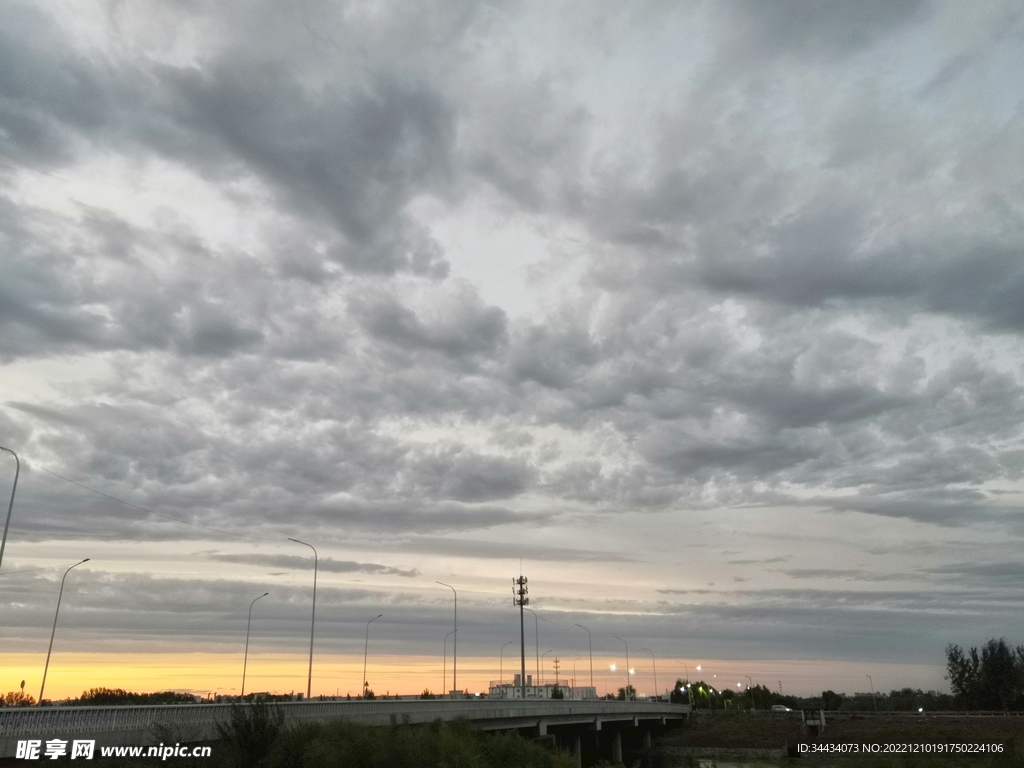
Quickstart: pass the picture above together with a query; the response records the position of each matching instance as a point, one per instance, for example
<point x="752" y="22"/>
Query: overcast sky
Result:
<point x="712" y="314"/>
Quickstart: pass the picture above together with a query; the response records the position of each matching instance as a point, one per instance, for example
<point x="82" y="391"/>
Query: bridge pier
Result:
<point x="616" y="746"/>
<point x="578" y="749"/>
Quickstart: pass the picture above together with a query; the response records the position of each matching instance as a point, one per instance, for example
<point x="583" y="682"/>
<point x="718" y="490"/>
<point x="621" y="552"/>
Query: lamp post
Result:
<point x="655" y="666"/>
<point x="10" y="506"/>
<point x="366" y="645"/>
<point x="501" y="662"/>
<point x="625" y="691"/>
<point x="873" y="699"/>
<point x="574" y="675"/>
<point x="455" y="640"/>
<point x="312" y="621"/>
<point x="248" y="625"/>
<point x="590" y="646"/>
<point x="750" y="687"/>
<point x="689" y="692"/>
<point x="444" y="664"/>
<point x="542" y="667"/>
<point x="54" y="630"/>
<point x="536" y="641"/>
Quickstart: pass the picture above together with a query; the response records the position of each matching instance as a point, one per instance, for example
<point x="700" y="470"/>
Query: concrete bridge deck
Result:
<point x="147" y="725"/>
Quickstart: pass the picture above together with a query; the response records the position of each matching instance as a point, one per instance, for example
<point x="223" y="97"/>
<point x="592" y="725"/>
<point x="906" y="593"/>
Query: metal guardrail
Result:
<point x="834" y="713"/>
<point x="52" y="721"/>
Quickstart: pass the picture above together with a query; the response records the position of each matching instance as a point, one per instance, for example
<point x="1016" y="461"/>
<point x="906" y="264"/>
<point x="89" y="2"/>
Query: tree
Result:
<point x="427" y="694"/>
<point x="993" y="679"/>
<point x="629" y="692"/>
<point x="557" y="693"/>
<point x="17" y="699"/>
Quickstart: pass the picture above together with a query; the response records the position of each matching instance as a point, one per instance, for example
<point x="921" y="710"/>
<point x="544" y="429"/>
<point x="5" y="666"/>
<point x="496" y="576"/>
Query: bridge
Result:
<point x="573" y="725"/>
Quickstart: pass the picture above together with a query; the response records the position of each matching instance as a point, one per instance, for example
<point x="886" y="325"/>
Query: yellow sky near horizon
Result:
<point x="202" y="673"/>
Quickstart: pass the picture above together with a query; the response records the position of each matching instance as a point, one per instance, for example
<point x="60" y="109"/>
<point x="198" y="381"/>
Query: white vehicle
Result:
<point x="780" y="708"/>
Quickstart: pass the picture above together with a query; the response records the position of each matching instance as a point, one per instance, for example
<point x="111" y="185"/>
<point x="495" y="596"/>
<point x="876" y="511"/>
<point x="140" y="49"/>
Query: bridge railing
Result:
<point x="33" y="721"/>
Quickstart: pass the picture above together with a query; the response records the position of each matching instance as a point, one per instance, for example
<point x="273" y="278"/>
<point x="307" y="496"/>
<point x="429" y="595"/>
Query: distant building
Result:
<point x="503" y="689"/>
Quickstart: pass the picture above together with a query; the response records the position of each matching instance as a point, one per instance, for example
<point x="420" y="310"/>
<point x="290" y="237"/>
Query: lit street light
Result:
<point x="248" y="625"/>
<point x="10" y="506"/>
<point x="366" y="645"/>
<point x="312" y="621"/>
<point x="54" y="630"/>
<point x="750" y="688"/>
<point x="625" y="691"/>
<point x="455" y="640"/>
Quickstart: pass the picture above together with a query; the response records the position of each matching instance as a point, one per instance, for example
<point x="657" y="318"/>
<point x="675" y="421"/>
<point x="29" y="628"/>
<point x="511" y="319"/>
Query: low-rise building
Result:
<point x="505" y="689"/>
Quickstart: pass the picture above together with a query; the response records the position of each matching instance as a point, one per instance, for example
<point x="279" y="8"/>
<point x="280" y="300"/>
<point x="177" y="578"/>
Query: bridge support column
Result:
<point x="617" y="746"/>
<point x="647" y="738"/>
<point x="578" y="750"/>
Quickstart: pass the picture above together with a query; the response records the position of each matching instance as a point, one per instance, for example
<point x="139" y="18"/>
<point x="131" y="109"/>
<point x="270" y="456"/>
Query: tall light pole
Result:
<point x="625" y="691"/>
<point x="653" y="664"/>
<point x="689" y="692"/>
<point x="542" y="668"/>
<point x="574" y="675"/>
<point x="312" y="621"/>
<point x="873" y="699"/>
<point x="501" y="661"/>
<point x="536" y="642"/>
<point x="519" y="598"/>
<point x="248" y="625"/>
<point x="590" y="646"/>
<point x="10" y="506"/>
<point x="455" y="640"/>
<point x="366" y="645"/>
<point x="54" y="630"/>
<point x="750" y="687"/>
<point x="444" y="664"/>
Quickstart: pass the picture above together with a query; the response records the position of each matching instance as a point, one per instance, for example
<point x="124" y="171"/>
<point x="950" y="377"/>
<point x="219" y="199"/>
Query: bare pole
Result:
<point x="455" y="640"/>
<point x="10" y="506"/>
<point x="574" y="675"/>
<point x="542" y="668"/>
<point x="655" y="666"/>
<point x="590" y="645"/>
<point x="444" y="663"/>
<point x="501" y="661"/>
<point x="248" y="625"/>
<point x="312" y="621"/>
<point x="54" y="630"/>
<point x="366" y="646"/>
<point x="873" y="699"/>
<point x="536" y="642"/>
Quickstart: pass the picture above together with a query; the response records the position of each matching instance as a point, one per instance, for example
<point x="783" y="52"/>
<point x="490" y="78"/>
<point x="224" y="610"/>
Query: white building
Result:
<point x="503" y="689"/>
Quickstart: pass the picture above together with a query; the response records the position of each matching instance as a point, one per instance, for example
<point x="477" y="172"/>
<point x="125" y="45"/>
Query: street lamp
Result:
<point x="873" y="699"/>
<point x="574" y="675"/>
<point x="248" y="625"/>
<point x="54" y="630"/>
<point x="366" y="645"/>
<point x="590" y="645"/>
<point x="625" y="691"/>
<point x="536" y="641"/>
<point x="542" y="667"/>
<point x="444" y="664"/>
<point x="655" y="666"/>
<point x="750" y="688"/>
<point x="455" y="640"/>
<point x="312" y="621"/>
<point x="10" y="506"/>
<point x="501" y="662"/>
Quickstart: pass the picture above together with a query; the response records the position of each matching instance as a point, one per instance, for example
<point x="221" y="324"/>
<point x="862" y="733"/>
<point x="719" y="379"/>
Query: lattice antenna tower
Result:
<point x="519" y="598"/>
